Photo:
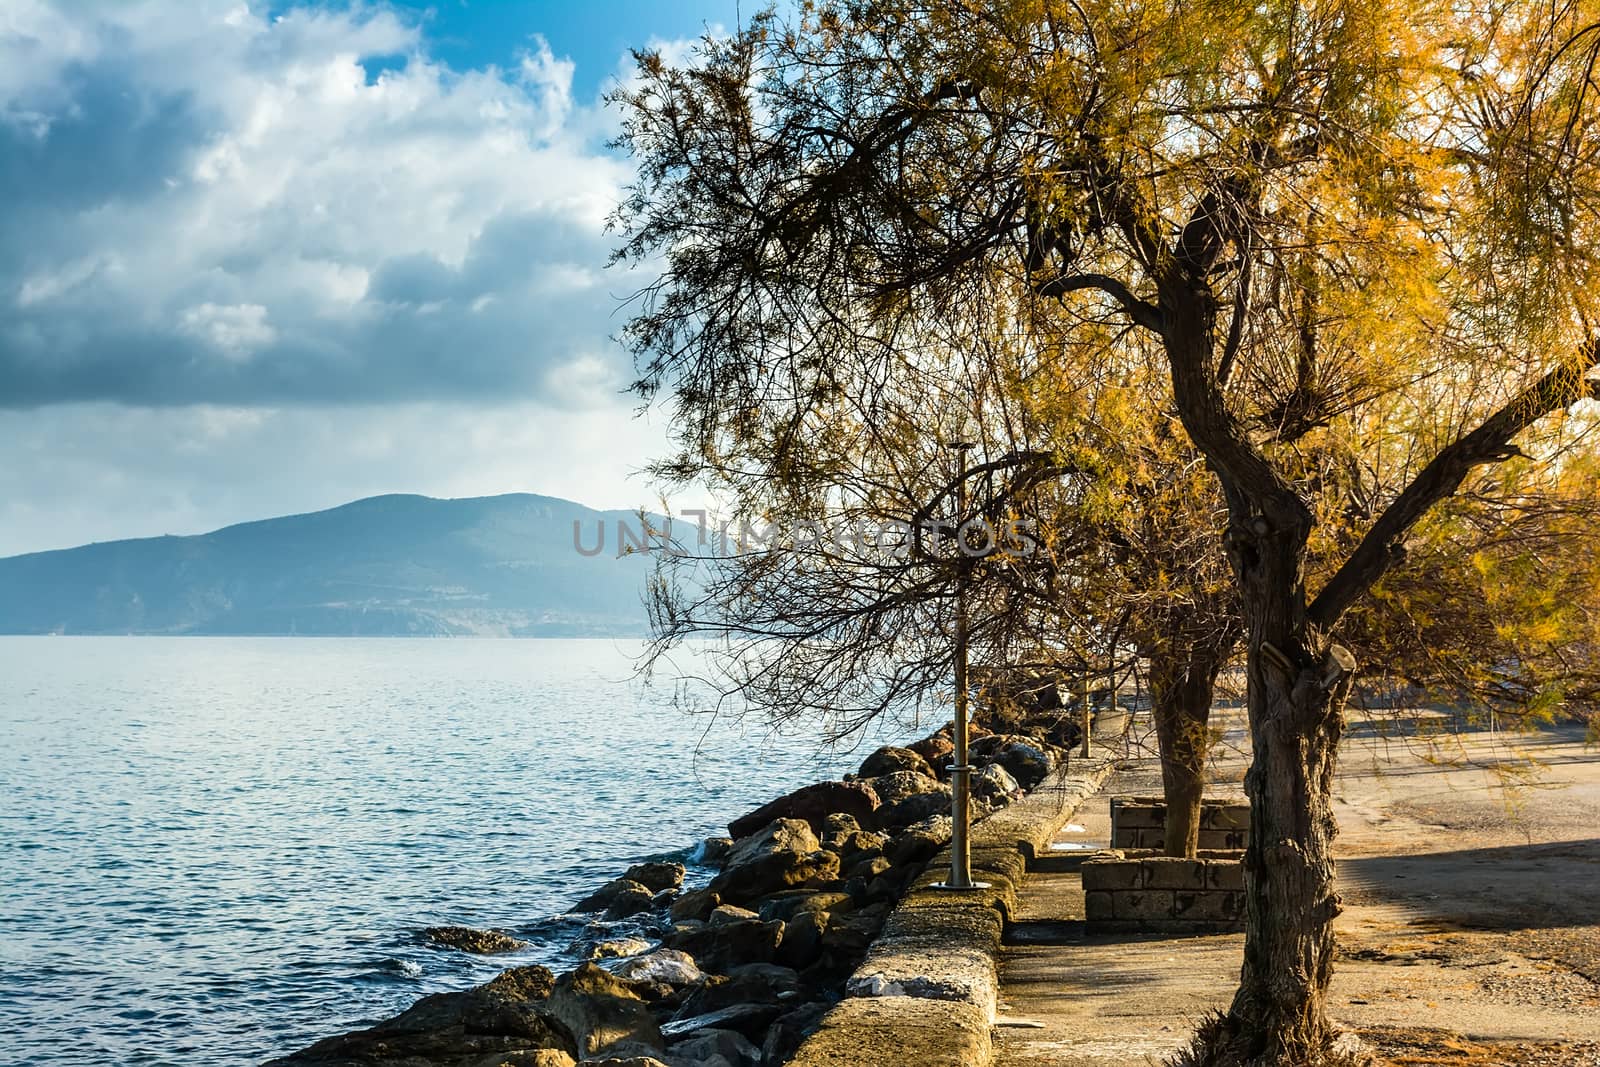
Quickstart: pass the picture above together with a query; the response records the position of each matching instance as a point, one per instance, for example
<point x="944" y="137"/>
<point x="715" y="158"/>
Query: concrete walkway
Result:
<point x="1073" y="1000"/>
<point x="1469" y="934"/>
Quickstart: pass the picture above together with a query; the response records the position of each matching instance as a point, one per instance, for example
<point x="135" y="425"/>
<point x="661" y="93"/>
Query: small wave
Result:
<point x="390" y="965"/>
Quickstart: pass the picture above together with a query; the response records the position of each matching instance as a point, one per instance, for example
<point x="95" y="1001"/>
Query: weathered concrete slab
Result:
<point x="934" y="968"/>
<point x="944" y="944"/>
<point x="894" y="1031"/>
<point x="1072" y="998"/>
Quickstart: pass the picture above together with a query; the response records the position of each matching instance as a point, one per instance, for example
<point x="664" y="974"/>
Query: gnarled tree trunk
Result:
<point x="1298" y="684"/>
<point x="1278" y="1014"/>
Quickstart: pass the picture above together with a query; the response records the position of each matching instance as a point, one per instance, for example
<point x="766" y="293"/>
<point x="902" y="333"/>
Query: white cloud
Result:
<point x="235" y="330"/>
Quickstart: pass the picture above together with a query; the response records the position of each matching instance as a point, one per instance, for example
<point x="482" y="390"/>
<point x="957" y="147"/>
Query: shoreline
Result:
<point x="737" y="972"/>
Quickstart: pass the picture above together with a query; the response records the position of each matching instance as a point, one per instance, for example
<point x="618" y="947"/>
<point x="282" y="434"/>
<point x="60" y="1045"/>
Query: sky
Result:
<point x="265" y="258"/>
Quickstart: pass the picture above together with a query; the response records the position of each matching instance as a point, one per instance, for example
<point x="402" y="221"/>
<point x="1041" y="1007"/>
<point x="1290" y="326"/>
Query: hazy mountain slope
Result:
<point x="383" y="566"/>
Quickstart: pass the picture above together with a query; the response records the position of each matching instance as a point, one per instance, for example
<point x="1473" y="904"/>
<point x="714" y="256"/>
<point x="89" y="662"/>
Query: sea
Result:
<point x="227" y="847"/>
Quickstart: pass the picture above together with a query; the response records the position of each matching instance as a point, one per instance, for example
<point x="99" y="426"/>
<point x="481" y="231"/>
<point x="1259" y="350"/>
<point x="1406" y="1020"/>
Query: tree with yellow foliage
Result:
<point x="1360" y="235"/>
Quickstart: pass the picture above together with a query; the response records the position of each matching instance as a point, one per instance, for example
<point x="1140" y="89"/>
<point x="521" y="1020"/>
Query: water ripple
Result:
<point x="220" y="848"/>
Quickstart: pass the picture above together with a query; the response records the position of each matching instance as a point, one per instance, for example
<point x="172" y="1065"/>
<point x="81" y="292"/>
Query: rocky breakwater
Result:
<point x="733" y="973"/>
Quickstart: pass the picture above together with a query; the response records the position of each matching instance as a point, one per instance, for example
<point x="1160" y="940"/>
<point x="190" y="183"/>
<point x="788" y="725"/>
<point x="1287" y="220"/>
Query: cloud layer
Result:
<point x="203" y="205"/>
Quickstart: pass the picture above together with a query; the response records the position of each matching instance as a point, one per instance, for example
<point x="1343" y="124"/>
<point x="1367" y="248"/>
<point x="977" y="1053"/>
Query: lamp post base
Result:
<point x="961" y="888"/>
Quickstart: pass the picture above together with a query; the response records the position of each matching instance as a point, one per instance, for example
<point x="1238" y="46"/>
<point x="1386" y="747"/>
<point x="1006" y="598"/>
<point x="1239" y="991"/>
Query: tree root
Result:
<point x="1218" y="1043"/>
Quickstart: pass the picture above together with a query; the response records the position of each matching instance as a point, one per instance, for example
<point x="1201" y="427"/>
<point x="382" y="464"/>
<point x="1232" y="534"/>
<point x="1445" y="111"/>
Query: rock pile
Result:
<point x="739" y="971"/>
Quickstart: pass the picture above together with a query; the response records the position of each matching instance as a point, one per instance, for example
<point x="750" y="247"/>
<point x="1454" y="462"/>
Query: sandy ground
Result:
<point x="1470" y="870"/>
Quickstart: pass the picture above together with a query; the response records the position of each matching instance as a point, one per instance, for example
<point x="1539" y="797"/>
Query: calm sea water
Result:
<point x="225" y="847"/>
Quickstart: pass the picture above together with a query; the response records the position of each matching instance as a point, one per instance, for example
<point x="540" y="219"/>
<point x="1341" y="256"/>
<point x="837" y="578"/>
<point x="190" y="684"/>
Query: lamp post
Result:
<point x="1085" y="710"/>
<point x="961" y="769"/>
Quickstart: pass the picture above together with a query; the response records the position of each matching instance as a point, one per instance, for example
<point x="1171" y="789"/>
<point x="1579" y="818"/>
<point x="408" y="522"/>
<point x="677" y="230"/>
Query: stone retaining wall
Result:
<point x="1148" y="891"/>
<point x="1140" y="822"/>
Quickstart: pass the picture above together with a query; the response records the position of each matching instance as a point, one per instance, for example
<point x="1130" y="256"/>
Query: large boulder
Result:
<point x="721" y="948"/>
<point x="1064" y="732"/>
<point x="1025" y="759"/>
<point x="656" y="877"/>
<point x="813" y="803"/>
<point x="802" y="940"/>
<point x="695" y="904"/>
<point x="993" y="781"/>
<point x="913" y="809"/>
<point x="717" y="993"/>
<point x="780" y="835"/>
<point x="862" y="843"/>
<point x="664" y="966"/>
<point x="890" y="759"/>
<point x="614" y="890"/>
<point x="507" y="1019"/>
<point x="530" y="983"/>
<point x="787" y="905"/>
<point x="478" y="942"/>
<point x="700" y="1046"/>
<point x="918" y="843"/>
<point x="866" y="870"/>
<point x="937" y="750"/>
<point x="630" y="902"/>
<point x="619" y="948"/>
<point x="1026" y="762"/>
<point x="852" y="932"/>
<point x="783" y="855"/>
<point x="600" y="1010"/>
<point x="837" y="825"/>
<point x="783" y="981"/>
<point x="723" y="914"/>
<point x="893" y="788"/>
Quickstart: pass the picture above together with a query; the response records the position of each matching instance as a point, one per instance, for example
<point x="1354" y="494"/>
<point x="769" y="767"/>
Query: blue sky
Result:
<point x="477" y="33"/>
<point x="259" y="258"/>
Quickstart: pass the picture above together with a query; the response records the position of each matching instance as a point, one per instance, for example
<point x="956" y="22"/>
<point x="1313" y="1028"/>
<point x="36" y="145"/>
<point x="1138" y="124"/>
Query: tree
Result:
<point x="845" y="628"/>
<point x="1360" y="235"/>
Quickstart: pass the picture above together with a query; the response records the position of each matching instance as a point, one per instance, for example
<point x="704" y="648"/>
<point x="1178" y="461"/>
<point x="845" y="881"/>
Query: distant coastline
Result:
<point x="389" y="566"/>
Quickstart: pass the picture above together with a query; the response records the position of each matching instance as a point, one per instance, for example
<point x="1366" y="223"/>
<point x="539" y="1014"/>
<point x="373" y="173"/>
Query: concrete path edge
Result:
<point x="927" y="991"/>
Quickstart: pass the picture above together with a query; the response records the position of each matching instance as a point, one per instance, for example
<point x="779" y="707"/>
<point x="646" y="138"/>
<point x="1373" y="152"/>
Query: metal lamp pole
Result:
<point x="1086" y="711"/>
<point x="961" y="769"/>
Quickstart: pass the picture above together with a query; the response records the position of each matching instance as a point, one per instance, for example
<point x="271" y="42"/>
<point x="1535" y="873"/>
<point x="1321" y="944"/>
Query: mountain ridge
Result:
<point x="398" y="564"/>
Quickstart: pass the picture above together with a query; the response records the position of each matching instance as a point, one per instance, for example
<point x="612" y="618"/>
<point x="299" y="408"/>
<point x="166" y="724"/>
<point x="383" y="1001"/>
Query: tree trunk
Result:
<point x="1298" y="682"/>
<point x="1278" y="1014"/>
<point x="1297" y="687"/>
<point x="1180" y="694"/>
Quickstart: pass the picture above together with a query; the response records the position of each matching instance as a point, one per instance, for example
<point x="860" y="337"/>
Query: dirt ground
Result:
<point x="1470" y="870"/>
<point x="1469" y="865"/>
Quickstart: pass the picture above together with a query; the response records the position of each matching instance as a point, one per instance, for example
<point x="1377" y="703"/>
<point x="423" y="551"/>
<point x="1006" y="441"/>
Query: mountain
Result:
<point x="388" y="565"/>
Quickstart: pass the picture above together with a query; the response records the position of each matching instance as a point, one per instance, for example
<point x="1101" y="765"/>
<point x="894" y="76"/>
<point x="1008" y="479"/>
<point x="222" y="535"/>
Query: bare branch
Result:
<point x="1142" y="312"/>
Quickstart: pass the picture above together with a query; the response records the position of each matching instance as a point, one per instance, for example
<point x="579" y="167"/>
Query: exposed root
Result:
<point x="1218" y="1043"/>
